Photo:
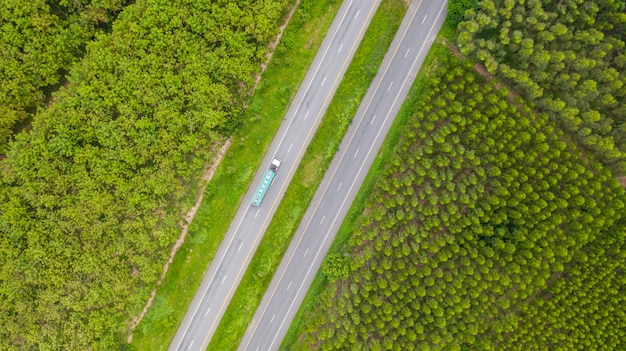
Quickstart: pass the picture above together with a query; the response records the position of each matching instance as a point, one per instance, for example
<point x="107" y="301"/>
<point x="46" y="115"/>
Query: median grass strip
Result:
<point x="311" y="299"/>
<point x="309" y="174"/>
<point x="224" y="193"/>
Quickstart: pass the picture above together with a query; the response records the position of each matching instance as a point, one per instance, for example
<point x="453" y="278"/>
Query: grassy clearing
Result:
<point x="309" y="174"/>
<point x="233" y="176"/>
<point x="320" y="281"/>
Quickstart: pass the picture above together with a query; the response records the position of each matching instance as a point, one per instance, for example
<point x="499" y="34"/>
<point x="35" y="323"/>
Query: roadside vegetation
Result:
<point x="39" y="42"/>
<point x="91" y="199"/>
<point x="223" y="195"/>
<point x="485" y="224"/>
<point x="309" y="174"/>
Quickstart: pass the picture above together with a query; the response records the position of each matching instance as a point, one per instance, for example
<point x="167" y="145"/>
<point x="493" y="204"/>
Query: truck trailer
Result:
<point x="265" y="182"/>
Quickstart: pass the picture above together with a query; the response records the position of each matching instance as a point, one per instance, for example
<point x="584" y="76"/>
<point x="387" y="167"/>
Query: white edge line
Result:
<point x="313" y="76"/>
<point x="281" y="140"/>
<point x="344" y="200"/>
<point x="211" y="280"/>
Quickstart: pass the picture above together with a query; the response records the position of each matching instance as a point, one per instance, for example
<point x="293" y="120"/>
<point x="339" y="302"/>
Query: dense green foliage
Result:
<point x="568" y="57"/>
<point x="488" y="230"/>
<point x="457" y="8"/>
<point x="91" y="198"/>
<point x="39" y="41"/>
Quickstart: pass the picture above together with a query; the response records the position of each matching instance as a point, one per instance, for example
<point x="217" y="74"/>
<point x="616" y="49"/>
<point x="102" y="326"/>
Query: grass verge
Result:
<point x="222" y="197"/>
<point x="309" y="174"/>
<point x="297" y="327"/>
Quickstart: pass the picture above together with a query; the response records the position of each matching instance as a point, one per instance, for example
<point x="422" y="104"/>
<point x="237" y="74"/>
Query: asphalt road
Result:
<point x="345" y="175"/>
<point x="294" y="135"/>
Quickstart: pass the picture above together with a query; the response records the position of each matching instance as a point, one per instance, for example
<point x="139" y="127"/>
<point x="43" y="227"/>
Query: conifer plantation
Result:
<point x="497" y="222"/>
<point x="566" y="57"/>
<point x="489" y="229"/>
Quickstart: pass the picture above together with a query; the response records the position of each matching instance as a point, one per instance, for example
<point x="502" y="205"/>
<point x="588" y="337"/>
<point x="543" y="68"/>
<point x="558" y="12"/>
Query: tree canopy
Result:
<point x="567" y="57"/>
<point x="91" y="198"/>
<point x="39" y="41"/>
<point x="488" y="229"/>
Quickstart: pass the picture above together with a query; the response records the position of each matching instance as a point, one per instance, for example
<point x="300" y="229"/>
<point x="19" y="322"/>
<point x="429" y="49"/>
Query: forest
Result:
<point x="488" y="229"/>
<point x="498" y="222"/>
<point x="39" y="42"/>
<point x="566" y="57"/>
<point x="93" y="189"/>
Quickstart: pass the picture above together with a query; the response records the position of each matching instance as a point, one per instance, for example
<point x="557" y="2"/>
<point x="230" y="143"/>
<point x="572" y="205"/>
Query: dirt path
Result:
<point x="206" y="177"/>
<point x="480" y="69"/>
<point x="184" y="223"/>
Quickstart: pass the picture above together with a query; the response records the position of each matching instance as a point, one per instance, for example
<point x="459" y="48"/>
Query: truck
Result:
<point x="265" y="182"/>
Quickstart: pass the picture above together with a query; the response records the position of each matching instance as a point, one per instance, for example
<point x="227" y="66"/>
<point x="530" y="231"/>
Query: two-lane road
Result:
<point x="345" y="175"/>
<point x="294" y="135"/>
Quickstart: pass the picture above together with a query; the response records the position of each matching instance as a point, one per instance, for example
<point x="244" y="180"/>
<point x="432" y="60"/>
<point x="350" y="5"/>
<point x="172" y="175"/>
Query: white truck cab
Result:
<point x="275" y="164"/>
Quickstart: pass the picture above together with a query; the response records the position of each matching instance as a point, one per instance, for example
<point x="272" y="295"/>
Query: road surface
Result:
<point x="250" y="222"/>
<point x="344" y="176"/>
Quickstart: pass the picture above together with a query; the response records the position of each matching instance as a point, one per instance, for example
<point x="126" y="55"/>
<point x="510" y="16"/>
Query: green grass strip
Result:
<point x="309" y="174"/>
<point x="299" y="324"/>
<point x="224" y="193"/>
